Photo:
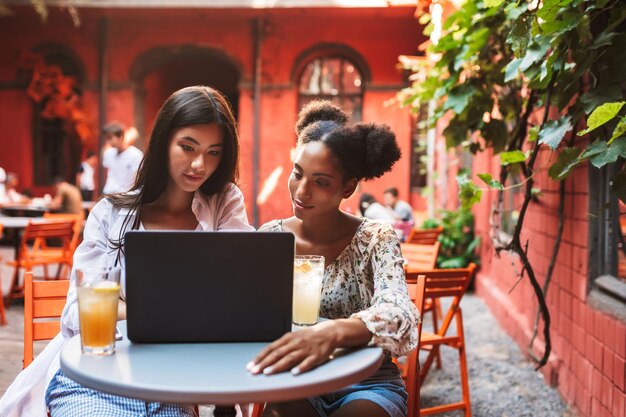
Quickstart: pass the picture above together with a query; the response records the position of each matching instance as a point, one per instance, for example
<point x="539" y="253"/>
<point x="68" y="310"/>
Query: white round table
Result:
<point x="207" y="373"/>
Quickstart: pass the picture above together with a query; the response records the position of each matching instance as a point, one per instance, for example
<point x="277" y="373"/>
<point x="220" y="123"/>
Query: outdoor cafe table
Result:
<point x="207" y="373"/>
<point x="17" y="224"/>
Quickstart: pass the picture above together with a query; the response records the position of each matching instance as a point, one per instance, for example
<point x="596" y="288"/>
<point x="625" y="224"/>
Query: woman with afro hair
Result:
<point x="364" y="292"/>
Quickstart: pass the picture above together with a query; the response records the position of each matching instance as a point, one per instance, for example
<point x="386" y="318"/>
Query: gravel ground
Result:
<point x="502" y="382"/>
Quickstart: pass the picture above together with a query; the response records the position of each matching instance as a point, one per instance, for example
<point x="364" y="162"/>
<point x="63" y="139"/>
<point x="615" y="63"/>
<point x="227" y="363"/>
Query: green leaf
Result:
<point x="536" y="51"/>
<point x="603" y="39"/>
<point x="512" y="157"/>
<point x="490" y="181"/>
<point x="601" y="115"/>
<point x="459" y="97"/>
<point x="493" y="3"/>
<point x="616" y="150"/>
<point x="519" y="36"/>
<point x="532" y="133"/>
<point x="566" y="161"/>
<point x="600" y="95"/>
<point x="554" y="130"/>
<point x="469" y="193"/>
<point x="594" y="148"/>
<point x="620" y="129"/>
<point x="512" y="69"/>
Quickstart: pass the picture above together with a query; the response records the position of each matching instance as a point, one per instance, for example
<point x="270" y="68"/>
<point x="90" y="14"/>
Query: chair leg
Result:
<point x="257" y="409"/>
<point x="3" y="317"/>
<point x="436" y="313"/>
<point x="463" y="365"/>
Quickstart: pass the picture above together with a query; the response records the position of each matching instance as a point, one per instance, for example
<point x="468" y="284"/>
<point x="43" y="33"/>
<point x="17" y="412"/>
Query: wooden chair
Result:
<point x="423" y="257"/>
<point x="444" y="283"/>
<point x="3" y="317"/>
<point x="29" y="257"/>
<point x="416" y="292"/>
<point x="424" y="236"/>
<point x="43" y="300"/>
<point x="420" y="257"/>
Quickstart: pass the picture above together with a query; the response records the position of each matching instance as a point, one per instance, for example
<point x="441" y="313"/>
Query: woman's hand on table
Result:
<point x="305" y="349"/>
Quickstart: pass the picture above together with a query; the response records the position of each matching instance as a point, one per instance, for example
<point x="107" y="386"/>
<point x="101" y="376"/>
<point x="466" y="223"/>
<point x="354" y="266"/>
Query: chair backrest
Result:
<point x="424" y="236"/>
<point x="442" y="283"/>
<point x="420" y="257"/>
<point x="416" y="292"/>
<point x="43" y="301"/>
<point x="78" y="219"/>
<point x="38" y="233"/>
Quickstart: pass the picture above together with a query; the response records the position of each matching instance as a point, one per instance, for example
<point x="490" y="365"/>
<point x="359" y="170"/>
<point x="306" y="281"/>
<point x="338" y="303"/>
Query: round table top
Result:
<point x="207" y="373"/>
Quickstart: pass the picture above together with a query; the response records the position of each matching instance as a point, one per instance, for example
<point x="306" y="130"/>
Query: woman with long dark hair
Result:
<point x="186" y="182"/>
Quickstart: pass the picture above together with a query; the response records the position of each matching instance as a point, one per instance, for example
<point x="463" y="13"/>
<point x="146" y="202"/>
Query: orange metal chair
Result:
<point x="416" y="292"/>
<point x="29" y="257"/>
<point x="43" y="300"/>
<point x="446" y="283"/>
<point x="3" y="317"/>
<point x="424" y="236"/>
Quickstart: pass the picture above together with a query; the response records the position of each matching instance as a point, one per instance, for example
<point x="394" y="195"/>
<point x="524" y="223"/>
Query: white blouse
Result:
<point x="25" y="396"/>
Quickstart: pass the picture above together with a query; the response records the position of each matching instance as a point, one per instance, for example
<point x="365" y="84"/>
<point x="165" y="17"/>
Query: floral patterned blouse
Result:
<point x="367" y="281"/>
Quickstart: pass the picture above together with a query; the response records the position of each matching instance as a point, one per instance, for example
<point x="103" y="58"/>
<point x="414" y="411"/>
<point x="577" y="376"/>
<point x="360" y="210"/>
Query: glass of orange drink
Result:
<point x="308" y="276"/>
<point x="98" y="295"/>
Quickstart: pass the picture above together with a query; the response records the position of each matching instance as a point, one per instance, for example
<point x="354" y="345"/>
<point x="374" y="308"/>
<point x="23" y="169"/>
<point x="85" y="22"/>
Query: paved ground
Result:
<point x="502" y="382"/>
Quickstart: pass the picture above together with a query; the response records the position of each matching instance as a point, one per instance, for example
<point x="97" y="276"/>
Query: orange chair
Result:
<point x="3" y="317"/>
<point x="28" y="257"/>
<point x="43" y="300"/>
<point x="420" y="257"/>
<point x="416" y="292"/>
<point x="43" y="250"/>
<point x="424" y="236"/>
<point x="446" y="283"/>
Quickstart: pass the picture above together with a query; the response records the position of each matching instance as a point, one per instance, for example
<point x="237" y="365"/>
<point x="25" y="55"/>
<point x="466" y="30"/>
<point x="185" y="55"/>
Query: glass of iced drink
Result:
<point x="98" y="295"/>
<point x="308" y="274"/>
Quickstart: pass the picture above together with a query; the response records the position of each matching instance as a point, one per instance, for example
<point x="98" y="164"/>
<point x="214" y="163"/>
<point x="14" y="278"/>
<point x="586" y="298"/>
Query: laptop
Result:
<point x="184" y="286"/>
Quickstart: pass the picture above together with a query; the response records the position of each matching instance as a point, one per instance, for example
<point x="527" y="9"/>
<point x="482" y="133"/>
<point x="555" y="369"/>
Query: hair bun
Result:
<point x="381" y="148"/>
<point x="320" y="110"/>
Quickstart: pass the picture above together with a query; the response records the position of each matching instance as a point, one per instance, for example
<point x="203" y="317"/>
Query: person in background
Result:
<point x="403" y="210"/>
<point x="121" y="160"/>
<point x="85" y="178"/>
<point x="373" y="210"/>
<point x="68" y="198"/>
<point x="12" y="195"/>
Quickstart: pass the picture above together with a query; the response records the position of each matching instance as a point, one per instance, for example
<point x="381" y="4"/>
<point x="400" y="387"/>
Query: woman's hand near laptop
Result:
<point x="121" y="310"/>
<point x="305" y="349"/>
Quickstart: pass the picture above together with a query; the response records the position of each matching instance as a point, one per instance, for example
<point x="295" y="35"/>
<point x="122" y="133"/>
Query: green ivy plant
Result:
<point x="519" y="77"/>
<point x="458" y="240"/>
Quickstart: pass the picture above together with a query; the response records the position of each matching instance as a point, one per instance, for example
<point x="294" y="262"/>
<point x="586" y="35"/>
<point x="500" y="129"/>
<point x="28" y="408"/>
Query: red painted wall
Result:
<point x="378" y="36"/>
<point x="588" y="359"/>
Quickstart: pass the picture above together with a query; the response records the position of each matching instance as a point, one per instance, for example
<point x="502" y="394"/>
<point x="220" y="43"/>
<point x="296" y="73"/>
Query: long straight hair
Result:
<point x="186" y="107"/>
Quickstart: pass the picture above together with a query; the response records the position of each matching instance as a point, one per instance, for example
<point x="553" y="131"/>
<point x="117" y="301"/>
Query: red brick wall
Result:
<point x="588" y="358"/>
<point x="377" y="35"/>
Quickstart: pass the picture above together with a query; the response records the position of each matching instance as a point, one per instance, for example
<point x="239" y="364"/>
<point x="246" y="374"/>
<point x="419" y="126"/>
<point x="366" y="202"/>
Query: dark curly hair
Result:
<point x="364" y="150"/>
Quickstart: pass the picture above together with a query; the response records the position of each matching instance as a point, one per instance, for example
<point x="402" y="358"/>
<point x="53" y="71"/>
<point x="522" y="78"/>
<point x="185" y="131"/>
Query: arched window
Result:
<point x="334" y="78"/>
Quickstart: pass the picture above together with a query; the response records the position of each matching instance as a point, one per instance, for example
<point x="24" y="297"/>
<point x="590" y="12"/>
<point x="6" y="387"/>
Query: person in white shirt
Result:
<point x="121" y="160"/>
<point x="85" y="179"/>
<point x="403" y="210"/>
<point x="187" y="183"/>
<point x="373" y="210"/>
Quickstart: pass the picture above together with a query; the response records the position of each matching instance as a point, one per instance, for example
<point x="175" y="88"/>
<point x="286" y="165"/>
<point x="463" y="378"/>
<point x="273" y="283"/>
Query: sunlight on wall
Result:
<point x="269" y="185"/>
